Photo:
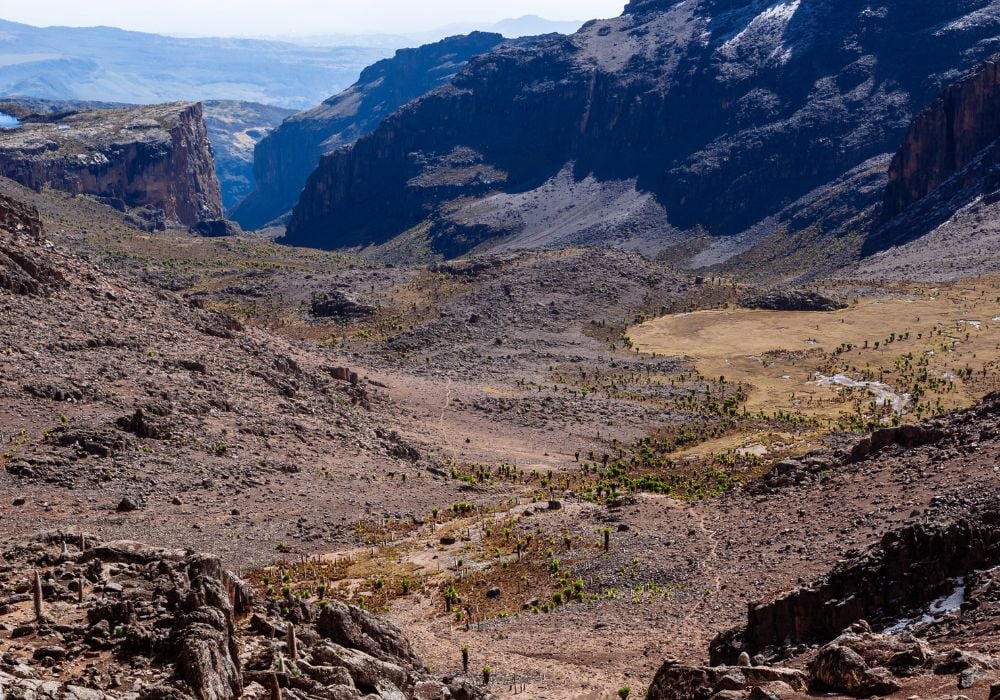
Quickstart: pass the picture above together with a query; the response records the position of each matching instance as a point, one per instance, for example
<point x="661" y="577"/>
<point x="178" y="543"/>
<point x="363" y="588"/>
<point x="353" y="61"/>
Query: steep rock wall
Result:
<point x="284" y="159"/>
<point x="157" y="157"/>
<point x="945" y="137"/>
<point x="726" y="110"/>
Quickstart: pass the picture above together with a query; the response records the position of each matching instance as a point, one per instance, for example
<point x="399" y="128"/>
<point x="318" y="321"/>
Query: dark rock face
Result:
<point x="726" y="110"/>
<point x="155" y="157"/>
<point x="910" y="568"/>
<point x="791" y="300"/>
<point x="945" y="138"/>
<point x="284" y="159"/>
<point x="903" y="435"/>
<point x="949" y="159"/>
<point x="22" y="271"/>
<point x="19" y="219"/>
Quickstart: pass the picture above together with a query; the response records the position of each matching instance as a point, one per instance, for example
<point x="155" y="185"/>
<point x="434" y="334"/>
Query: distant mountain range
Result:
<point x="513" y="28"/>
<point x="112" y="65"/>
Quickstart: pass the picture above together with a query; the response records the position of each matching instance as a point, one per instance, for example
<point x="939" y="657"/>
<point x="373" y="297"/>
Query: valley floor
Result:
<point x="579" y="452"/>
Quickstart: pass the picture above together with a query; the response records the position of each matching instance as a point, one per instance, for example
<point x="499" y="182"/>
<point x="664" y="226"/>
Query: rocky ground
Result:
<point x="334" y="429"/>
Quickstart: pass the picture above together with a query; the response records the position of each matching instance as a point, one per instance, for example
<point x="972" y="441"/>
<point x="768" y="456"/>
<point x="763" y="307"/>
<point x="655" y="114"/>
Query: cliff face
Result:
<point x="945" y="138"/>
<point x="284" y="159"/>
<point x="725" y="111"/>
<point x="157" y="157"/>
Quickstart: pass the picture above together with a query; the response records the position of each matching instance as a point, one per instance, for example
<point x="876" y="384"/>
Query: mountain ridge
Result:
<point x="284" y="159"/>
<point x="638" y="97"/>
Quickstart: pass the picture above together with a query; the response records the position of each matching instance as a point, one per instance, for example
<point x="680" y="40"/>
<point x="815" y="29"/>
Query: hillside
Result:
<point x="285" y="158"/>
<point x="705" y="116"/>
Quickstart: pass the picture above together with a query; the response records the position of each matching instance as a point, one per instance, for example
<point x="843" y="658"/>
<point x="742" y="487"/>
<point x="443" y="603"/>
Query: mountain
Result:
<point x="103" y="63"/>
<point x="156" y="158"/>
<point x="533" y="25"/>
<point x="511" y="28"/>
<point x="698" y="118"/>
<point x="235" y="128"/>
<point x="285" y="158"/>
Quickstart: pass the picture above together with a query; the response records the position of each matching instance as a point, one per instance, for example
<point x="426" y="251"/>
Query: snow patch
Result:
<point x="946" y="604"/>
<point x="765" y="33"/>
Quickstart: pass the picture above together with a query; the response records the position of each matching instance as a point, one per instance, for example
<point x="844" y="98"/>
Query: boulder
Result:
<point x="355" y="628"/>
<point x="217" y="228"/>
<point x="675" y="681"/>
<point x="841" y="669"/>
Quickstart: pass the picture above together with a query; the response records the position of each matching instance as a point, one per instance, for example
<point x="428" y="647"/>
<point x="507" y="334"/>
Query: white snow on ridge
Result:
<point x="765" y="32"/>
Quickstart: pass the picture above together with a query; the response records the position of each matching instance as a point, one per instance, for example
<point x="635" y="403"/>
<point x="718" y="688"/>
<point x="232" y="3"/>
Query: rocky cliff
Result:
<point x="155" y="157"/>
<point x="723" y="111"/>
<point x="285" y="158"/>
<point x="940" y="201"/>
<point x="945" y="137"/>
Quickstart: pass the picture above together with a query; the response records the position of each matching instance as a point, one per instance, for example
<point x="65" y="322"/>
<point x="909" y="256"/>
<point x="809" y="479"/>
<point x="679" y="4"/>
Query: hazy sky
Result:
<point x="302" y="17"/>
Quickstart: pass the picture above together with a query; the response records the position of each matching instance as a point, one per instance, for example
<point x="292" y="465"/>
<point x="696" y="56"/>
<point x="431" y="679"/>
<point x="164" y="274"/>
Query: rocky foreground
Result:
<point x="88" y="620"/>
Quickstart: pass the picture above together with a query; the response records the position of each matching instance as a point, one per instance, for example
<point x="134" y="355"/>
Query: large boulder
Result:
<point x="675" y="681"/>
<point x="843" y="670"/>
<point x="355" y="628"/>
<point x="340" y="305"/>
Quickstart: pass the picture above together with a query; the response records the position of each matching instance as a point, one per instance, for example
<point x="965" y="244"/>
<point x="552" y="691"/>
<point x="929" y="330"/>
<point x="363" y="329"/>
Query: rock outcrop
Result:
<point x="791" y="300"/>
<point x="284" y="159"/>
<point x="675" y="681"/>
<point x="340" y="305"/>
<point x="909" y="569"/>
<point x="22" y="271"/>
<point x="156" y="157"/>
<point x="173" y="616"/>
<point x="725" y="111"/>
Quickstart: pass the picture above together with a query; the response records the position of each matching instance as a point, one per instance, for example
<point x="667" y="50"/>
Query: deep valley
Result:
<point x="658" y="361"/>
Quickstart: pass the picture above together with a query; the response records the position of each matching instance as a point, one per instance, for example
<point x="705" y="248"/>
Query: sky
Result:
<point x="294" y="17"/>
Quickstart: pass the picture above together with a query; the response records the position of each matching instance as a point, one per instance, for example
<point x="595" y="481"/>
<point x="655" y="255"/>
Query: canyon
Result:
<point x="696" y="121"/>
